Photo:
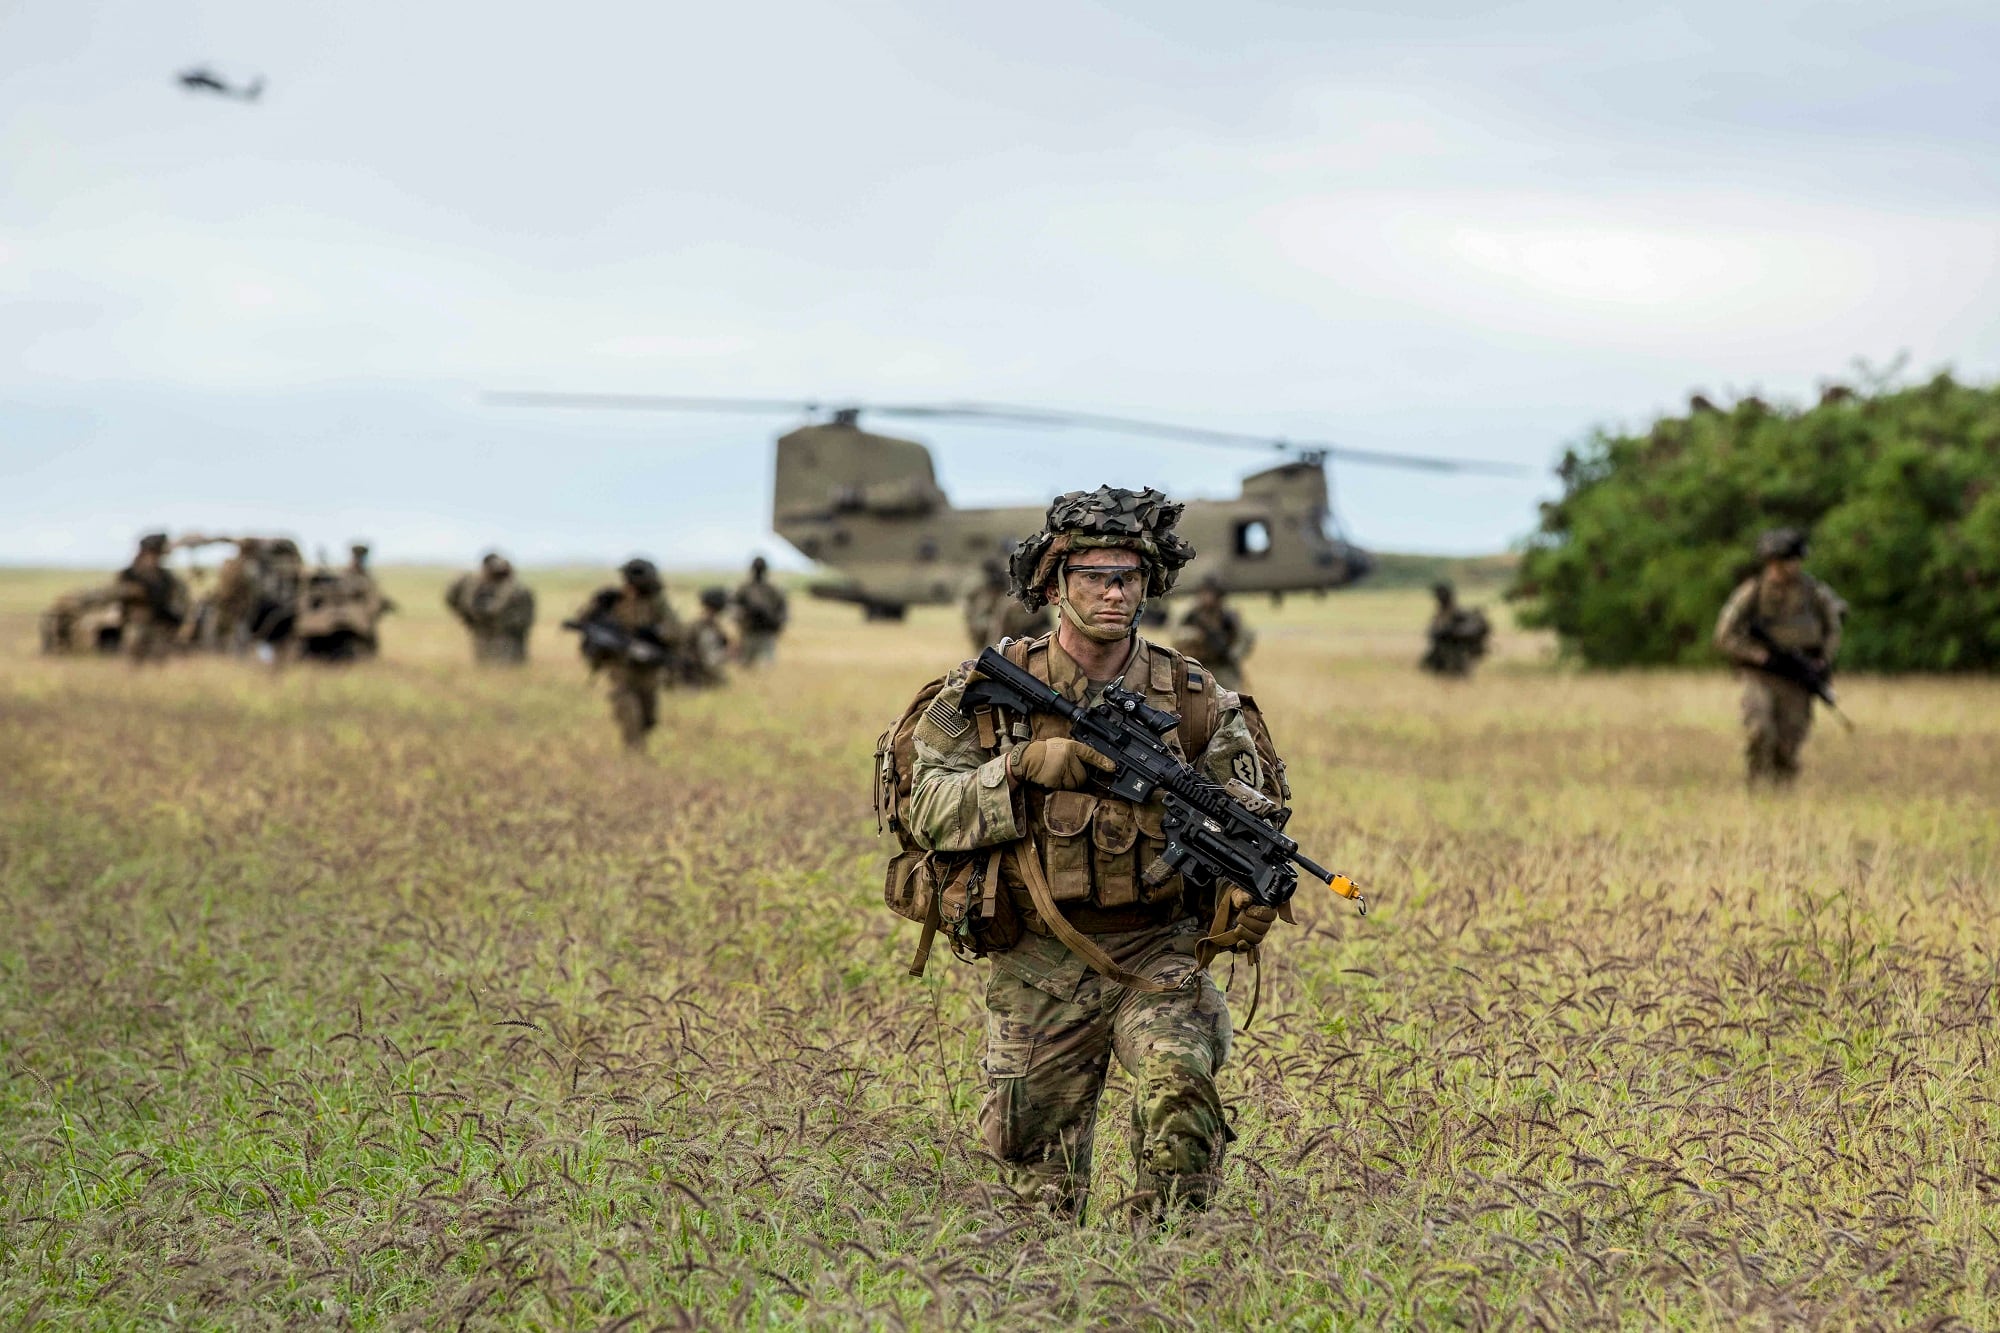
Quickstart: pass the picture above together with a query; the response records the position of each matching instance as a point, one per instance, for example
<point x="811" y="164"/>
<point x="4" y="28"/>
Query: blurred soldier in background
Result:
<point x="1215" y="636"/>
<point x="631" y="634"/>
<point x="496" y="608"/>
<point x="153" y="602"/>
<point x="1780" y="611"/>
<point x="359" y="587"/>
<point x="704" y="661"/>
<point x="761" y="612"/>
<point x="85" y="621"/>
<point x="1457" y="635"/>
<point x="992" y="614"/>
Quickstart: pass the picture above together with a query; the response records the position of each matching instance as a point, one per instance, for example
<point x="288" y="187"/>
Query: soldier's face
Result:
<point x="1784" y="571"/>
<point x="1106" y="588"/>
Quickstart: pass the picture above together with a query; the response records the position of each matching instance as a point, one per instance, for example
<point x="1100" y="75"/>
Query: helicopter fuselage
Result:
<point x="869" y="508"/>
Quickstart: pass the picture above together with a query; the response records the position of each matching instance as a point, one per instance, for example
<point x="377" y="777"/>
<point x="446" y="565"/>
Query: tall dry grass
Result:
<point x="397" y="996"/>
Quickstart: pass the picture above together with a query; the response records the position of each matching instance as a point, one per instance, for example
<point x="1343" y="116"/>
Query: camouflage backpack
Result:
<point x="961" y="892"/>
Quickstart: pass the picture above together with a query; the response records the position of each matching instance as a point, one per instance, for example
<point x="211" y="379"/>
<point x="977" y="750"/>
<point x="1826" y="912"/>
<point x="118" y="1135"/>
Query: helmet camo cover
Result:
<point x="1110" y="516"/>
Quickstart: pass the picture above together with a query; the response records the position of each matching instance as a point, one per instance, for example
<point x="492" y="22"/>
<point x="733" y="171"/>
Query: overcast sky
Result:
<point x="1462" y="229"/>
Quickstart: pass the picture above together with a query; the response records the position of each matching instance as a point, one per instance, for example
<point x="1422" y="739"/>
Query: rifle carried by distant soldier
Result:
<point x="1815" y="678"/>
<point x="605" y="641"/>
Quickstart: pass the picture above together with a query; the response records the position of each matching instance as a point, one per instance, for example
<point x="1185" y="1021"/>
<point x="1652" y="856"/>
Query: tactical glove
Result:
<point x="1058" y="763"/>
<point x="1253" y="923"/>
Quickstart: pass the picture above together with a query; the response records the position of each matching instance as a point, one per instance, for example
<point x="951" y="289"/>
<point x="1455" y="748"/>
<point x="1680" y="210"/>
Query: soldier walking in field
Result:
<point x="1779" y="617"/>
<point x="1214" y="635"/>
<point x="153" y="600"/>
<point x="761" y="613"/>
<point x="1456" y="637"/>
<point x="496" y="608"/>
<point x="359" y="587"/>
<point x="1025" y="798"/>
<point x="705" y="660"/>
<point x="631" y="634"/>
<point x="992" y="614"/>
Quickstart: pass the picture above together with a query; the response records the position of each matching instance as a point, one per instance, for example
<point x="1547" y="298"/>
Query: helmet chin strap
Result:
<point x="1090" y="631"/>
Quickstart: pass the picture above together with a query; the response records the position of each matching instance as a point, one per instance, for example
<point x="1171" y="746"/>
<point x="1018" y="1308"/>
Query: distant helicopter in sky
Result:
<point x="201" y="79"/>
<point x="869" y="508"/>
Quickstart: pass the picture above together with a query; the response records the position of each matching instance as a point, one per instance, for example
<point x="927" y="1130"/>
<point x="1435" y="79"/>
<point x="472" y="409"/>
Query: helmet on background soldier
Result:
<point x="759" y="567"/>
<point x="153" y="543"/>
<point x="1108" y="517"/>
<point x="714" y="599"/>
<point x="495" y="565"/>
<point x="641" y="574"/>
<point x="1444" y="592"/>
<point x="1781" y="544"/>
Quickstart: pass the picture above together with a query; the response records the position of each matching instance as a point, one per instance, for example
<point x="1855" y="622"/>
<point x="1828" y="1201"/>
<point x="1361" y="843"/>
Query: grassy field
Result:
<point x="397" y="996"/>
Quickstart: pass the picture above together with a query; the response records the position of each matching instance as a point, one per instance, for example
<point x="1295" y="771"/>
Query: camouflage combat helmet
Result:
<point x="714" y="599"/>
<point x="155" y="542"/>
<point x="640" y="573"/>
<point x="1109" y="516"/>
<point x="1781" y="544"/>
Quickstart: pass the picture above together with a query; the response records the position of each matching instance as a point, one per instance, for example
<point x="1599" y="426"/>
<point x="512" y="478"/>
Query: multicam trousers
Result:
<point x="635" y="701"/>
<point x="1046" y="1061"/>
<point x="1777" y="714"/>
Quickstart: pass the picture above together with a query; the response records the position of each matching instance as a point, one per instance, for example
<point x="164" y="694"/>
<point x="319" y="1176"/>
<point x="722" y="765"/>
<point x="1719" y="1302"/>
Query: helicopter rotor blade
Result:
<point x="999" y="414"/>
<point x="654" y="402"/>
<point x="1002" y="415"/>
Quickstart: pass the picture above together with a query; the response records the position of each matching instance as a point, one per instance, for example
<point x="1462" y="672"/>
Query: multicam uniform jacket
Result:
<point x="1094" y="847"/>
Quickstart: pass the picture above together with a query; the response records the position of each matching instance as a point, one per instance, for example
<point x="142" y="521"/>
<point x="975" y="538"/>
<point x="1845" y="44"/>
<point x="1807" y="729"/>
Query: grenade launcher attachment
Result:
<point x="1210" y="836"/>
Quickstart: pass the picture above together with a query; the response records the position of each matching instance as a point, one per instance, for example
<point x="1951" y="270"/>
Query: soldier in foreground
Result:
<point x="1214" y="635"/>
<point x="154" y="602"/>
<point x="761" y="613"/>
<point x="1054" y="1017"/>
<point x="1782" y="627"/>
<point x="992" y="614"/>
<point x="704" y="663"/>
<point x="496" y="608"/>
<point x="631" y="634"/>
<point x="1456" y="637"/>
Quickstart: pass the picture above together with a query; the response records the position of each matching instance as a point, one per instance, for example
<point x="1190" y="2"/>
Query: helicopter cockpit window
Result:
<point x="1253" y="539"/>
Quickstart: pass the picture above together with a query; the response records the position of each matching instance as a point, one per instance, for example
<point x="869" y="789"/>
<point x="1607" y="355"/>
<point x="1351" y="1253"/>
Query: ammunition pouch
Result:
<point x="957" y="893"/>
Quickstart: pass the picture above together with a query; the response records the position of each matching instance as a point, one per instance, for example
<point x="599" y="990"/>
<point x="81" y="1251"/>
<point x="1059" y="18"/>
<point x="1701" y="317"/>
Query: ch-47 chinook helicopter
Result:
<point x="869" y="506"/>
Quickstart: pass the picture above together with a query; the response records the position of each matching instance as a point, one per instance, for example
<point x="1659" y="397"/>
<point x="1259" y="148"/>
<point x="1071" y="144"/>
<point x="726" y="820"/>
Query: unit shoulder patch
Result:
<point x="1243" y="765"/>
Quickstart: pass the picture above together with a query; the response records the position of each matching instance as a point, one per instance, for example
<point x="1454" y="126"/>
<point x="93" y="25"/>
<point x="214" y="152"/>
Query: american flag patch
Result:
<point x="946" y="718"/>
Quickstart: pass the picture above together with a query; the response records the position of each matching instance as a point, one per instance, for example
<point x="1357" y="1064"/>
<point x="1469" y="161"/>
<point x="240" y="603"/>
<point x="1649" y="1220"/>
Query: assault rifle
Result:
<point x="1210" y="835"/>
<point x="604" y="641"/>
<point x="1796" y="667"/>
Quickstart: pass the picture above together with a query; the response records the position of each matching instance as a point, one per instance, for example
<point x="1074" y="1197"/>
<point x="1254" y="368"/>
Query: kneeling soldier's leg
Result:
<point x="1173" y="1045"/>
<point x="1045" y="1062"/>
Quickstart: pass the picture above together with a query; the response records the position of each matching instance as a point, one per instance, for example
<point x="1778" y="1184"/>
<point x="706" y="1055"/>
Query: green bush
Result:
<point x="1899" y="489"/>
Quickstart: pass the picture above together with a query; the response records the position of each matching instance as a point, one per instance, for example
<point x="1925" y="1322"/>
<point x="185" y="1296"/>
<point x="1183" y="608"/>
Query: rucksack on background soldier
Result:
<point x="992" y="815"/>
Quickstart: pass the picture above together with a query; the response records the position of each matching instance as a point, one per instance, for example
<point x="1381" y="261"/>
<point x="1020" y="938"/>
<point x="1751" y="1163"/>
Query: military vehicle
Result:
<point x="869" y="506"/>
